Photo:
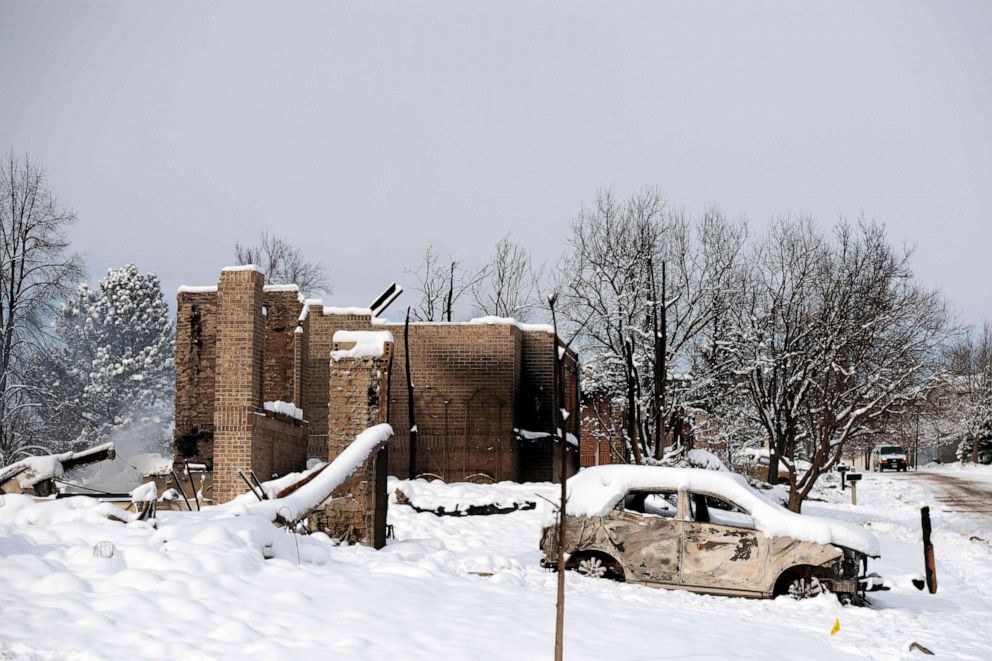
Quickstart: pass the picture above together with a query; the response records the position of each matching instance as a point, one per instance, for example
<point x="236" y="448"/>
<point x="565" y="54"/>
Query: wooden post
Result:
<point x="560" y="433"/>
<point x="854" y="493"/>
<point x="928" y="560"/>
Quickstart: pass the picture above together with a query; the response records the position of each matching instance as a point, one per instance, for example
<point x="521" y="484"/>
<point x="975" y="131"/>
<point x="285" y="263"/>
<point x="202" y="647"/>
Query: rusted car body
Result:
<point x="698" y="539"/>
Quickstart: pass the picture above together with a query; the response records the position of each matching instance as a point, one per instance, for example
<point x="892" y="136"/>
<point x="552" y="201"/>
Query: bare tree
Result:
<point x="966" y="409"/>
<point x="284" y="263"/>
<point x="835" y="339"/>
<point x="441" y="284"/>
<point x="639" y="335"/>
<point x="35" y="274"/>
<point x="507" y="287"/>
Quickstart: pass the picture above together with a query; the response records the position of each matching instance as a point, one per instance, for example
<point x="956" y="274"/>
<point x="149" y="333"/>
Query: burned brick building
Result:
<point x="257" y="388"/>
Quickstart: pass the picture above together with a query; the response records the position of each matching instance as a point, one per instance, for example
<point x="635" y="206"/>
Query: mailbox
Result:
<point x="853" y="477"/>
<point x="842" y="468"/>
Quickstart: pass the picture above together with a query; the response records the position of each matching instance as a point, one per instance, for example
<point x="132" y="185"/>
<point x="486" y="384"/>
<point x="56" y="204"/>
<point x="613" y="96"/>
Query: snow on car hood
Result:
<point x="595" y="491"/>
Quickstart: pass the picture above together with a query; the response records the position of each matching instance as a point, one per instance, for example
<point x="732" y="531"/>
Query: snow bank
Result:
<point x="285" y="408"/>
<point x="368" y="344"/>
<point x="595" y="491"/>
<point x="313" y="493"/>
<point x="23" y="509"/>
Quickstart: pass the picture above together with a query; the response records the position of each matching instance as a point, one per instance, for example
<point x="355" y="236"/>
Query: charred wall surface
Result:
<point x="467" y="378"/>
<point x="196" y="364"/>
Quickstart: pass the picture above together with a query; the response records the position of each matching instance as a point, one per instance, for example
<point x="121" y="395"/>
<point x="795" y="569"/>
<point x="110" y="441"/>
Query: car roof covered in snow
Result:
<point x="595" y="491"/>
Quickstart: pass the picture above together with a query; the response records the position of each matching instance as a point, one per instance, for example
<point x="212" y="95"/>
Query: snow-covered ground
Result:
<point x="455" y="587"/>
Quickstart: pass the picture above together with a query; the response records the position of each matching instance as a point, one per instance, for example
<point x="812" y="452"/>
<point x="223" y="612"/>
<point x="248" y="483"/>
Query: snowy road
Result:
<point x="958" y="493"/>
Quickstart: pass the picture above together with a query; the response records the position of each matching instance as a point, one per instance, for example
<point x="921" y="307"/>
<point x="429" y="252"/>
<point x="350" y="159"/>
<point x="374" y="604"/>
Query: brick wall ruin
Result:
<point x="484" y="392"/>
<point x="359" y="391"/>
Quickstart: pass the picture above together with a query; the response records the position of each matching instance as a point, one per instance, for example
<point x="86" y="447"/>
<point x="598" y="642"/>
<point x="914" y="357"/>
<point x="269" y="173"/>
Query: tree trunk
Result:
<point x="631" y="405"/>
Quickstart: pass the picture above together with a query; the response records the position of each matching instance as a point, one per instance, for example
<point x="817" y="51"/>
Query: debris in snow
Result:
<point x="461" y="498"/>
<point x="528" y="435"/>
<point x="368" y="344"/>
<point x="595" y="491"/>
<point x="146" y="493"/>
<point x="34" y="470"/>
<point x="285" y="408"/>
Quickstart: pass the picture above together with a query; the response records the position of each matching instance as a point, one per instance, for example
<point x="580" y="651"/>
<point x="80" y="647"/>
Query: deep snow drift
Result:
<point x="452" y="587"/>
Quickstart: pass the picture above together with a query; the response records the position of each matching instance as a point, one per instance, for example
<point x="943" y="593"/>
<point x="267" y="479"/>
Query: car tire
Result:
<point x="596" y="565"/>
<point x="592" y="567"/>
<point x="805" y="587"/>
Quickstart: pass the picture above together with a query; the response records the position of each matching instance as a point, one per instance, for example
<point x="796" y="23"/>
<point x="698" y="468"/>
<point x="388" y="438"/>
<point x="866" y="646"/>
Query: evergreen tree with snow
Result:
<point x="114" y="363"/>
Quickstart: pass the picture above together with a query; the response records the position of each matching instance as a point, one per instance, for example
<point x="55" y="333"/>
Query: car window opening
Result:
<point x="710" y="509"/>
<point x="648" y="503"/>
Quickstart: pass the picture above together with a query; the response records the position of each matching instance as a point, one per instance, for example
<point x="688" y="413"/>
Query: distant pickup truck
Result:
<point x="892" y="457"/>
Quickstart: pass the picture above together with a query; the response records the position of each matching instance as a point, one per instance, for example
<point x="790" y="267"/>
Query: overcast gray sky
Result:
<point x="366" y="130"/>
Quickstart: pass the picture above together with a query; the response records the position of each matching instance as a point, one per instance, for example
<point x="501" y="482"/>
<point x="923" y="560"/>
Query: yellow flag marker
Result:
<point x="836" y="627"/>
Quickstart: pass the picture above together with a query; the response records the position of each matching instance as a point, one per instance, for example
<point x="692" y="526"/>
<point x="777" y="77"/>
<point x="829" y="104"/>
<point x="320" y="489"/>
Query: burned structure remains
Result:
<point x="266" y="380"/>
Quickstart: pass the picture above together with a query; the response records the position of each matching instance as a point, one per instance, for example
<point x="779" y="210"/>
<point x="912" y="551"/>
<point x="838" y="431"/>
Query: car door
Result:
<point x="721" y="550"/>
<point x="644" y="530"/>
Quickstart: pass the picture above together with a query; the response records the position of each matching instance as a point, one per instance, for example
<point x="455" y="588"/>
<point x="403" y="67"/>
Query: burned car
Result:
<point x="705" y="531"/>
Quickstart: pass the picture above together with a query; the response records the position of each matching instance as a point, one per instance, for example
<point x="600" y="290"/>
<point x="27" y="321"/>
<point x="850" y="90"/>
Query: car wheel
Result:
<point x="592" y="567"/>
<point x="805" y="587"/>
